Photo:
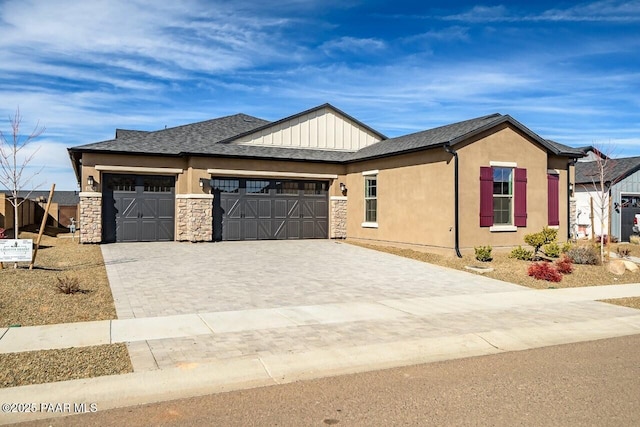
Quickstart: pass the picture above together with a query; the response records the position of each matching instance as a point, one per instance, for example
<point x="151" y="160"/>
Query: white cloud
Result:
<point x="599" y="11"/>
<point x="361" y="46"/>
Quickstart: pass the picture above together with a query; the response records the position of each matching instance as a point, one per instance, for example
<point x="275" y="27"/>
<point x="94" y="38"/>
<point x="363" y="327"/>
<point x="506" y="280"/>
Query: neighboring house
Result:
<point x="64" y="206"/>
<point x="622" y="184"/>
<point x="323" y="174"/>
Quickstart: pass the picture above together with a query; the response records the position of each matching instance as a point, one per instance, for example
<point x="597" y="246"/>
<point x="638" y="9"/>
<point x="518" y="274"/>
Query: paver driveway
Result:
<point x="290" y="297"/>
<point x="159" y="279"/>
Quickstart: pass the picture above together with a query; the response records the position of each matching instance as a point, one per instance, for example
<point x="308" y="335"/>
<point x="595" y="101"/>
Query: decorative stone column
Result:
<point x="194" y="217"/>
<point x="90" y="220"/>
<point x="338" y="217"/>
<point x="573" y="218"/>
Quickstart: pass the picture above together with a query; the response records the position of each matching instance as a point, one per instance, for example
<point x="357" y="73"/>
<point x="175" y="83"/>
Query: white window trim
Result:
<point x="371" y="172"/>
<point x="554" y="227"/>
<point x="501" y="228"/>
<point x="507" y="227"/>
<point x="553" y="171"/>
<point x="370" y="224"/>
<point x="503" y="164"/>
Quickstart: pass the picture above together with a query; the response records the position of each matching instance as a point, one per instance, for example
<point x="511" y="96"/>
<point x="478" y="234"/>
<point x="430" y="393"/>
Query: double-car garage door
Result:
<point x="141" y="208"/>
<point x="260" y="209"/>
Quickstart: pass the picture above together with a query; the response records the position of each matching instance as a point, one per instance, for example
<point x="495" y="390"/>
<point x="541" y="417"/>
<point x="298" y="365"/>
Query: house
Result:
<point x="324" y="174"/>
<point x="621" y="179"/>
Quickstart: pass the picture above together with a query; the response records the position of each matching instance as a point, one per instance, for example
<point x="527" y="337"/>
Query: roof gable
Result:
<point x="324" y="127"/>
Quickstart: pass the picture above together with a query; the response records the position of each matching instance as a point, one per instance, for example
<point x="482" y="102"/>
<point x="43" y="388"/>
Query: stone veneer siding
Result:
<point x="573" y="218"/>
<point x="338" y="218"/>
<point x="90" y="220"/>
<point x="194" y="217"/>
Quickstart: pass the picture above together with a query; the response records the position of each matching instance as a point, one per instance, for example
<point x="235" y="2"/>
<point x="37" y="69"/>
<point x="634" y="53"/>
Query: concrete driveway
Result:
<point x="279" y="299"/>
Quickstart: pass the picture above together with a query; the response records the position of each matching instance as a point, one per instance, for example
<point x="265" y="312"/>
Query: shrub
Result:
<point x="566" y="247"/>
<point x="483" y="253"/>
<point x="68" y="285"/>
<point x="521" y="254"/>
<point x="552" y="249"/>
<point x="623" y="252"/>
<point x="604" y="239"/>
<point x="584" y="255"/>
<point x="635" y="240"/>
<point x="544" y="271"/>
<point x="541" y="238"/>
<point x="565" y="265"/>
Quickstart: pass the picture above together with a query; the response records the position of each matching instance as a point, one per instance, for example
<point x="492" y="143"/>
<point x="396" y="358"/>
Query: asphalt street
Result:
<point x="593" y="383"/>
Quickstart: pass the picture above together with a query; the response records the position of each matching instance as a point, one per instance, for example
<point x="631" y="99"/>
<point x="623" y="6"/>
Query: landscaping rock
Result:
<point x="617" y="267"/>
<point x="631" y="266"/>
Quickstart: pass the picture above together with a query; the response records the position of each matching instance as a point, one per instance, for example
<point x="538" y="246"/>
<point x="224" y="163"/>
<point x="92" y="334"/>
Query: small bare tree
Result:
<point x="13" y="162"/>
<point x="602" y="178"/>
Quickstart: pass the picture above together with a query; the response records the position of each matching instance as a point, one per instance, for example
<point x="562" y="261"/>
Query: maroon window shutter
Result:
<point x="553" y="184"/>
<point x="520" y="198"/>
<point x="486" y="197"/>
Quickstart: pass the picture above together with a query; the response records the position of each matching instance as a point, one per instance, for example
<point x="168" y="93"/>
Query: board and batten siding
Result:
<point x="629" y="185"/>
<point x="322" y="129"/>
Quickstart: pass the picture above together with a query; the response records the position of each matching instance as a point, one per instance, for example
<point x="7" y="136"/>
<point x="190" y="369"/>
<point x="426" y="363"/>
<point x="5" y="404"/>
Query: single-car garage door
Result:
<point x="255" y="209"/>
<point x="138" y="208"/>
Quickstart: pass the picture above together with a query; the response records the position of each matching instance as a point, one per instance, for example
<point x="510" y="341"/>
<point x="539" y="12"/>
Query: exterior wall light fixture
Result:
<point x="343" y="187"/>
<point x="90" y="181"/>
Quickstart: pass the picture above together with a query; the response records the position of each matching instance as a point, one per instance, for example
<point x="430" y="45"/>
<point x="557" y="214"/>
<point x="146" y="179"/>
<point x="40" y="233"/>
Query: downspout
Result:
<point x="456" y="215"/>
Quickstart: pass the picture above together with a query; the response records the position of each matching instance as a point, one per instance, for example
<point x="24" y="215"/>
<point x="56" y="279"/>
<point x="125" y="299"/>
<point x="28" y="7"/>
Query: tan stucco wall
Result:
<point x="415" y="199"/>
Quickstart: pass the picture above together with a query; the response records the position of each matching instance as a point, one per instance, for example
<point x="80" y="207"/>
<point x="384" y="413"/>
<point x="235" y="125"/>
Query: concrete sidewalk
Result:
<point x="80" y="334"/>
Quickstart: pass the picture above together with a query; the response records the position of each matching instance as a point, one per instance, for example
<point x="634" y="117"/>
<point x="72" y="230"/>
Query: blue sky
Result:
<point x="570" y="71"/>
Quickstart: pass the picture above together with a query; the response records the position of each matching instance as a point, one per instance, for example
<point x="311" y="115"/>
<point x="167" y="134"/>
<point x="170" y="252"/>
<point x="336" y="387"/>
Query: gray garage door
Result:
<point x="138" y="208"/>
<point x="629" y="207"/>
<point x="254" y="209"/>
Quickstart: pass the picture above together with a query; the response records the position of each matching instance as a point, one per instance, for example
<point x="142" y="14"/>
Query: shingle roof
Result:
<point x="62" y="198"/>
<point x="423" y="139"/>
<point x="176" y="140"/>
<point x="216" y="138"/>
<point x="453" y="134"/>
<point x="614" y="170"/>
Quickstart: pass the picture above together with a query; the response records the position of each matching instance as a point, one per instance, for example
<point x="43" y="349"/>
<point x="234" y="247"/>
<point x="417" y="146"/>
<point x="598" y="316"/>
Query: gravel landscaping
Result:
<point x="30" y="297"/>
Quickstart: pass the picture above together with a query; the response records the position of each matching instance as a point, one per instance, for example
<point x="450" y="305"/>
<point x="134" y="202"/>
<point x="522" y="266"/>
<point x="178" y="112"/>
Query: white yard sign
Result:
<point x="16" y="250"/>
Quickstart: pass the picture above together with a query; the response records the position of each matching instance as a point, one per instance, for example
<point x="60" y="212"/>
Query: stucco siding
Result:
<point x="509" y="146"/>
<point x="414" y="199"/>
<point x="323" y="129"/>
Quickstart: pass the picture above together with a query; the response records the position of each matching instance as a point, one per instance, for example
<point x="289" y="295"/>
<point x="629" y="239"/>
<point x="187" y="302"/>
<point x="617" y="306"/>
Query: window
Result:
<point x="257" y="187"/>
<point x="371" y="198"/>
<point x="226" y="185"/>
<point x="314" y="188"/>
<point x="287" y="187"/>
<point x="502" y="196"/>
<point x="158" y="184"/>
<point x="122" y="183"/>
